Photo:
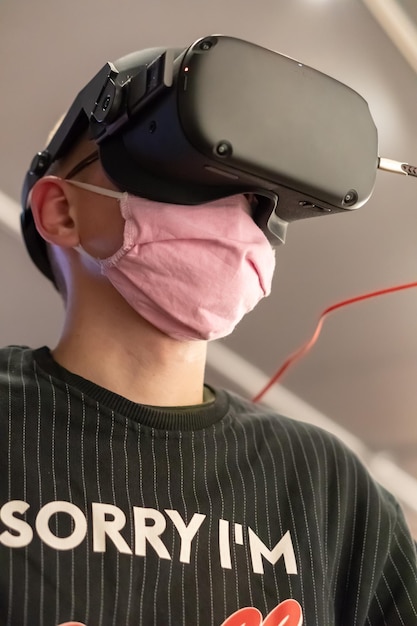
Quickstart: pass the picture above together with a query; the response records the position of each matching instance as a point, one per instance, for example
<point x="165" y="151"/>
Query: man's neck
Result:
<point x="117" y="349"/>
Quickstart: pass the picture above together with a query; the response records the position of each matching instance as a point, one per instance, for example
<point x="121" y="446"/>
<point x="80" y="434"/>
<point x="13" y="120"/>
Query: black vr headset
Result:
<point x="218" y="118"/>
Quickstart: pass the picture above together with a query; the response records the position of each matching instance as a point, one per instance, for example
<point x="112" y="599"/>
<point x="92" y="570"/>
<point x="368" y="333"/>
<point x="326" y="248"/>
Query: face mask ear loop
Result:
<point x="101" y="191"/>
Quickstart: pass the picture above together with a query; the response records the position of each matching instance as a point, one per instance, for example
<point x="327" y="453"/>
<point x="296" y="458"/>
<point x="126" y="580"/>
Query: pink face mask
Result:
<point x="191" y="271"/>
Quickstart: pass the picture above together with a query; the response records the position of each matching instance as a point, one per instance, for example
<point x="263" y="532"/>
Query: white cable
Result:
<point x="389" y="165"/>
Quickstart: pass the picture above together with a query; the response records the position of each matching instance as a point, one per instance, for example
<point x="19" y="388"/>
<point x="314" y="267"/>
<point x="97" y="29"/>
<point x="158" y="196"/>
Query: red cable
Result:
<point x="298" y="354"/>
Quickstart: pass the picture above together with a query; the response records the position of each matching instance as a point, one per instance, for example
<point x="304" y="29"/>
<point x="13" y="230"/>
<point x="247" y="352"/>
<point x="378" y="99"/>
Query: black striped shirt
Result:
<point x="114" y="513"/>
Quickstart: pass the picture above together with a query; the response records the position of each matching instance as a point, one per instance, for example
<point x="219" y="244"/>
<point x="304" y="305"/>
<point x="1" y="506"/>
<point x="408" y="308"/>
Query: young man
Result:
<point x="133" y="494"/>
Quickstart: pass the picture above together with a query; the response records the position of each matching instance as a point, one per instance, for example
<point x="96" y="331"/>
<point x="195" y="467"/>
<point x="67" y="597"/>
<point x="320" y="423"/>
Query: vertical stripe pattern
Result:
<point x="117" y="514"/>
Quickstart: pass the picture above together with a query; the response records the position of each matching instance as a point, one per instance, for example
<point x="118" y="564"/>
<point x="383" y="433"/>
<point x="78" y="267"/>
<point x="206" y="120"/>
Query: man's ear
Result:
<point x="51" y="209"/>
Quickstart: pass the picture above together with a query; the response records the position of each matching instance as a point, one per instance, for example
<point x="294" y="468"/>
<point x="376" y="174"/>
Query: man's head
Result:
<point x="192" y="269"/>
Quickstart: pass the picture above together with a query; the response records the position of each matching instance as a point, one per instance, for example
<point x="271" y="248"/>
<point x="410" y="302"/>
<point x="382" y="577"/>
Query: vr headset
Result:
<point x="218" y="118"/>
